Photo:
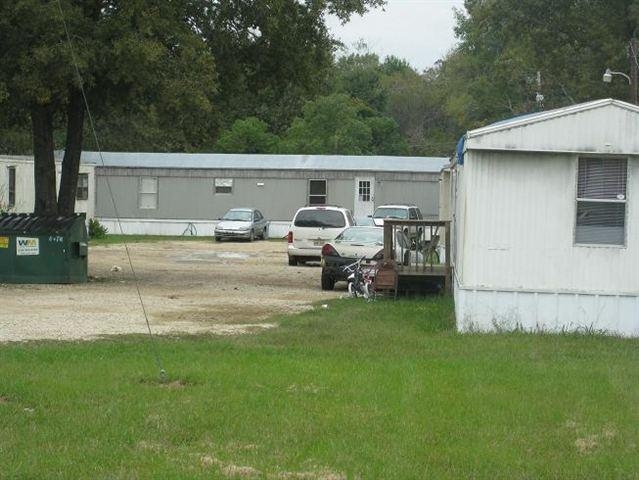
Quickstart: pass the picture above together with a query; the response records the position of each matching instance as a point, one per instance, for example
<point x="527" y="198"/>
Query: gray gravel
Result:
<point x="187" y="287"/>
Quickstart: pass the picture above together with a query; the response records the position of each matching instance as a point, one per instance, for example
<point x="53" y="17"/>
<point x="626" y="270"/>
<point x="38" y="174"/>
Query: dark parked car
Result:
<point x="355" y="243"/>
<point x="242" y="223"/>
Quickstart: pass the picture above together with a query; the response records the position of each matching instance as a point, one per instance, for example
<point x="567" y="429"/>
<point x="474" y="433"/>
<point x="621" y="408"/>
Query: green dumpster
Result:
<point x="38" y="249"/>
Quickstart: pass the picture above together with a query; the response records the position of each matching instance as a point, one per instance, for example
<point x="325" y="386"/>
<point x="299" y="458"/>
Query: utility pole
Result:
<point x="632" y="46"/>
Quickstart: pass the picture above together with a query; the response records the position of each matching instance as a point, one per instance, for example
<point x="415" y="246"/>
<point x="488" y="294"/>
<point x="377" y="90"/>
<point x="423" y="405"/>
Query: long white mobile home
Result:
<point x="546" y="222"/>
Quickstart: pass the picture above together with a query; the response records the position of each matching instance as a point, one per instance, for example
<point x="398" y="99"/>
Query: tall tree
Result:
<point x="508" y="46"/>
<point x="360" y="76"/>
<point x="250" y="135"/>
<point x="273" y="55"/>
<point x="339" y="124"/>
<point x="125" y="53"/>
<point x="512" y="50"/>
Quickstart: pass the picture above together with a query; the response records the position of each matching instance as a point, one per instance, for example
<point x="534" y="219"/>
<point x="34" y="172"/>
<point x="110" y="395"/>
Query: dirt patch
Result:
<point x="186" y="287"/>
<point x="586" y="445"/>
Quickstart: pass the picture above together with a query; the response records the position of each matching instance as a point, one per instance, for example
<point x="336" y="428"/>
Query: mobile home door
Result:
<point x="364" y="197"/>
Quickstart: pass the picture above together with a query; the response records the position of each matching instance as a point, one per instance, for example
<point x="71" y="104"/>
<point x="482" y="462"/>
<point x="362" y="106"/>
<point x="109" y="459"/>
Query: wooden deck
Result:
<point x="422" y="271"/>
<point x="420" y="259"/>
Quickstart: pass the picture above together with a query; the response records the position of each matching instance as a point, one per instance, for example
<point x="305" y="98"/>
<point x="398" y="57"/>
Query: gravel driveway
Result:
<point x="186" y="286"/>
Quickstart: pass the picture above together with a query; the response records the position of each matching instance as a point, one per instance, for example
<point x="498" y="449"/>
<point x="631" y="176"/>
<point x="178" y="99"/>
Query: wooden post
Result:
<point x="388" y="241"/>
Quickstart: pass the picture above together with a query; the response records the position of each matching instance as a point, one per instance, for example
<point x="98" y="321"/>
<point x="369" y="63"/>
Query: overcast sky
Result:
<point x="419" y="31"/>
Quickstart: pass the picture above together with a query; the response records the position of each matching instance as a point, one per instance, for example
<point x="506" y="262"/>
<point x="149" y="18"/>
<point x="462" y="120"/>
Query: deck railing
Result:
<point x="419" y="247"/>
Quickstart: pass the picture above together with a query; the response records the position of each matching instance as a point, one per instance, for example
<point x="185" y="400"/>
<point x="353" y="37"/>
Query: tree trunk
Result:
<point x="72" y="152"/>
<point x="44" y="162"/>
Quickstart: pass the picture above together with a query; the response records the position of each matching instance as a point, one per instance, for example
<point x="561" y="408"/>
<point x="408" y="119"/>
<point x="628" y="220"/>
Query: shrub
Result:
<point x="96" y="229"/>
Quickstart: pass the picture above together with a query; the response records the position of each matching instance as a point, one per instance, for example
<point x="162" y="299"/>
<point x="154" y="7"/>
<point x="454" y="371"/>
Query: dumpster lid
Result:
<point x="30" y="224"/>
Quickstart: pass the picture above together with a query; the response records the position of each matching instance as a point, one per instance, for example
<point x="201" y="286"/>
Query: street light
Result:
<point x="607" y="76"/>
<point x="633" y="78"/>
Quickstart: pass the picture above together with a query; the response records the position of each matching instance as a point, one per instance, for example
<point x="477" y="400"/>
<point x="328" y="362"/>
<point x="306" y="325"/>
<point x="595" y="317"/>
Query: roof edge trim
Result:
<point x="549" y="115"/>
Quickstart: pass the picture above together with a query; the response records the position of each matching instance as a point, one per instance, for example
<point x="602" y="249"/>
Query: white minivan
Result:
<point x="311" y="228"/>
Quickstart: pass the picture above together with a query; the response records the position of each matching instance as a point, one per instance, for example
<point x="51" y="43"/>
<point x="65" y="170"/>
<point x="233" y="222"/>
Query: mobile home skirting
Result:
<point x="488" y="310"/>
<point x="177" y="227"/>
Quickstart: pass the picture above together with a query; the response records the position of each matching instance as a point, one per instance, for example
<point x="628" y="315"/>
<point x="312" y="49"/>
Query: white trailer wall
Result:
<point x="25" y="189"/>
<point x="517" y="265"/>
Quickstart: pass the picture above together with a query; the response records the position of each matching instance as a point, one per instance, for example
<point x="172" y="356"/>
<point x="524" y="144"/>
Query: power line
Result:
<point x="158" y="360"/>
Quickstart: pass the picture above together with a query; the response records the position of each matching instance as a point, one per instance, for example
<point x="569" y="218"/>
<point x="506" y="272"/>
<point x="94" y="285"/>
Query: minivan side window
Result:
<point x="320" y="219"/>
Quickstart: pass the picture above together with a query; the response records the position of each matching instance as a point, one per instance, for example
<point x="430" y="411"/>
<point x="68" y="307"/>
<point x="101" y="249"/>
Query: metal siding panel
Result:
<point x="493" y="310"/>
<point x="341" y="193"/>
<point x="607" y="129"/>
<point x="459" y="222"/>
<point x="519" y="228"/>
<point x="190" y="198"/>
<point x="125" y="193"/>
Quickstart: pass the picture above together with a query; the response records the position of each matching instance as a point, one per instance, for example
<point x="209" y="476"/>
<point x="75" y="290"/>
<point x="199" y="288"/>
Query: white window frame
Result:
<point x="148" y="197"/>
<point x="223" y="186"/>
<point x="621" y="199"/>
<point x="312" y="197"/>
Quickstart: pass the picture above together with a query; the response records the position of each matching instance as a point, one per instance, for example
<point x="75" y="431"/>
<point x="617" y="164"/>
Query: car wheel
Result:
<point x="251" y="236"/>
<point x="292" y="261"/>
<point x="328" y="283"/>
<point x="218" y="239"/>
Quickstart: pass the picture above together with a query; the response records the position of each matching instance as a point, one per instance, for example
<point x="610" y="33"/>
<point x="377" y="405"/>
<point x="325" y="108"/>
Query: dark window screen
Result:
<point x="317" y="192"/>
<point x="320" y="219"/>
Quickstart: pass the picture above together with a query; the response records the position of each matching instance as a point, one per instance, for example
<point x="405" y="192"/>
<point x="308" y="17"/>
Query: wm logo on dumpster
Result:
<point x="27" y="246"/>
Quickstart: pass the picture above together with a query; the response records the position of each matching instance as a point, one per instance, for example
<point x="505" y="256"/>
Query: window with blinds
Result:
<point x="82" y="190"/>
<point x="223" y="185"/>
<point x="601" y="201"/>
<point x="12" y="187"/>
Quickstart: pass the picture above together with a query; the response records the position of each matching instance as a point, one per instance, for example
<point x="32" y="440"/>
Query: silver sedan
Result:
<point x="242" y="223"/>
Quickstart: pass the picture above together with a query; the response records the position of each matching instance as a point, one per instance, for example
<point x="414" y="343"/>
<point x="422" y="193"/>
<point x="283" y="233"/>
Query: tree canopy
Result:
<point x="340" y="124"/>
<point x="147" y="68"/>
<point x="249" y="135"/>
<point x="258" y="76"/>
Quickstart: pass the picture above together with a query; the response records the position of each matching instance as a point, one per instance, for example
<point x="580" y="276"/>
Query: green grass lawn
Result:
<point x="114" y="239"/>
<point x="383" y="390"/>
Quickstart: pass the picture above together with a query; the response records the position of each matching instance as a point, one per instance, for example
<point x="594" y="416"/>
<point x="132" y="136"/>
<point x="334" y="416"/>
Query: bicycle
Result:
<point x="361" y="279"/>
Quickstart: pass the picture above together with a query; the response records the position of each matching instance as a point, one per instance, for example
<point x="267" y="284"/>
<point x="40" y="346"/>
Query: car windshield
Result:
<point x="389" y="212"/>
<point x="238" y="215"/>
<point x="362" y="234"/>
<point x="320" y="219"/>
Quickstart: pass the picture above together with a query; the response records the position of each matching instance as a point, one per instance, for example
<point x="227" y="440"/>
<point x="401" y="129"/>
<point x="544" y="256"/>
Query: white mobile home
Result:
<point x="17" y="188"/>
<point x="168" y="193"/>
<point x="546" y="222"/>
